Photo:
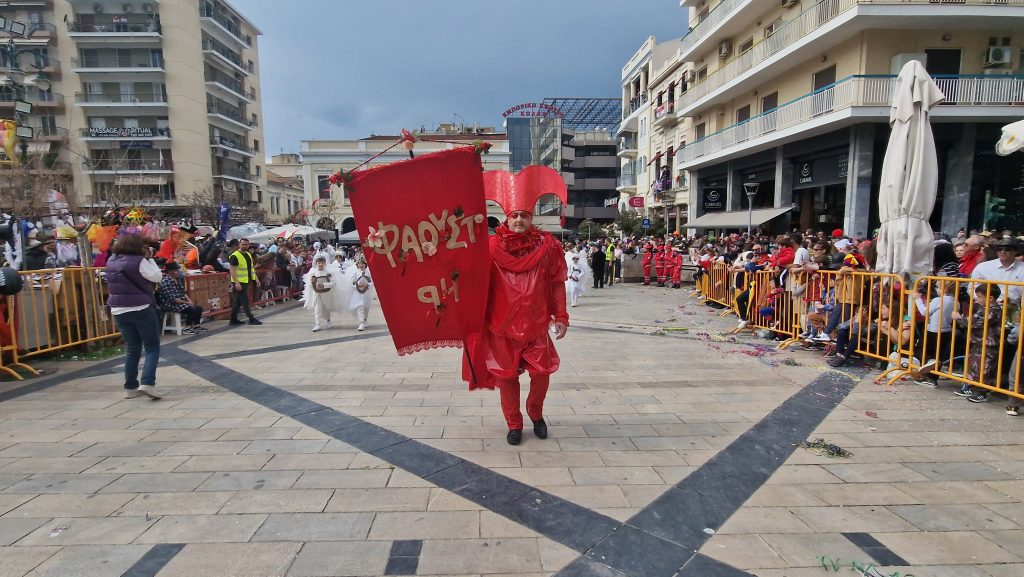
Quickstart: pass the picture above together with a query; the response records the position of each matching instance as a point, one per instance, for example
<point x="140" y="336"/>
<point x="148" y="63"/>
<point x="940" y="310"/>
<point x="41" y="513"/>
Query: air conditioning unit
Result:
<point x="788" y="3"/>
<point x="689" y="76"/>
<point x="724" y="49"/>
<point x="147" y="8"/>
<point x="997" y="55"/>
<point x="97" y="8"/>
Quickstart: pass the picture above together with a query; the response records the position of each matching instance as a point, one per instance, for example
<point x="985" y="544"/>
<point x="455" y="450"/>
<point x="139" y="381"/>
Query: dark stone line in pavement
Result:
<point x="154" y="560"/>
<point x="295" y="346"/>
<point x="108" y="366"/>
<point x="703" y="566"/>
<point x="404" y="558"/>
<point x="710" y="495"/>
<point x="555" y="518"/>
<point x="875" y="549"/>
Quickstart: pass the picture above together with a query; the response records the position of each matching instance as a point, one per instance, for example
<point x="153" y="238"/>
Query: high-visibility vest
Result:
<point x="243" y="272"/>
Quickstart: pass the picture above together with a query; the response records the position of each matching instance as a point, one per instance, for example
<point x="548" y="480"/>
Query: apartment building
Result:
<point x="789" y="100"/>
<point x="159" y="100"/>
<point x="649" y="134"/>
<point x="321" y="158"/>
<point x="574" y="136"/>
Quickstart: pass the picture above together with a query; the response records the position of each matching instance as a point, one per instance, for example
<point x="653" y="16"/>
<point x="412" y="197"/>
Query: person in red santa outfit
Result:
<point x="525" y="304"/>
<point x="646" y="262"/>
<point x="677" y="267"/>
<point x="660" y="264"/>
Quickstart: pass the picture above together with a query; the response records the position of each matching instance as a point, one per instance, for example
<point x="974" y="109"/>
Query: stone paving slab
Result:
<point x="252" y="492"/>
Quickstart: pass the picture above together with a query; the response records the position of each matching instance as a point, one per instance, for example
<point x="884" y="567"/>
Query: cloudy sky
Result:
<point x="348" y="68"/>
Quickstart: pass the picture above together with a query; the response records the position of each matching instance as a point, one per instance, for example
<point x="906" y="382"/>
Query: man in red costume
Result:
<point x="526" y="301"/>
<point x="648" y="260"/>
<point x="677" y="267"/>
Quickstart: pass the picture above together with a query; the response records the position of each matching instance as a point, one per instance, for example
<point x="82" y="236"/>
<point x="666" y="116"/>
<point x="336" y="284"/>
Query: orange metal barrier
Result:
<point x="61" y="308"/>
<point x="967" y="331"/>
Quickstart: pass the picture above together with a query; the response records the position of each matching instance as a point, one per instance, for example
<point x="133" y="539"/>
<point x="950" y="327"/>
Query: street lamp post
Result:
<point x="751" y="189"/>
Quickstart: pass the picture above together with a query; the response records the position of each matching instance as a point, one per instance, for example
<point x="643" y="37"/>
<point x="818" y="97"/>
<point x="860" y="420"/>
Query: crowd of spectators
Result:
<point x="950" y="322"/>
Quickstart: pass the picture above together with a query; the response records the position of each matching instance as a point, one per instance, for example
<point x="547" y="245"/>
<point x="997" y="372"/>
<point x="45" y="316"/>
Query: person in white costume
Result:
<point x="579" y="272"/>
<point x="322" y="293"/>
<point x="361" y="297"/>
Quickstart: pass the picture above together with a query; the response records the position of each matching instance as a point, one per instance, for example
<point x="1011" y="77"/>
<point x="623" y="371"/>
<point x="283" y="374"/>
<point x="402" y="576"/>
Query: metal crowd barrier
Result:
<point x="983" y="347"/>
<point x="888" y="323"/>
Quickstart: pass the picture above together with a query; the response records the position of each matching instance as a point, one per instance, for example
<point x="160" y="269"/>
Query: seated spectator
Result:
<point x="983" y="350"/>
<point x="172" y="297"/>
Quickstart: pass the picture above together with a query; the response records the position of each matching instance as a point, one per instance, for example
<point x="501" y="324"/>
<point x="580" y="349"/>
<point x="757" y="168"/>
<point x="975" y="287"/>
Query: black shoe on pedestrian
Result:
<point x="255" y="322"/>
<point x="540" y="428"/>
<point x="234" y="322"/>
<point x="514" y="436"/>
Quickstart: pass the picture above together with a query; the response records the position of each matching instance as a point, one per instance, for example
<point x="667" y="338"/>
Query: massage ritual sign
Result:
<point x="423" y="227"/>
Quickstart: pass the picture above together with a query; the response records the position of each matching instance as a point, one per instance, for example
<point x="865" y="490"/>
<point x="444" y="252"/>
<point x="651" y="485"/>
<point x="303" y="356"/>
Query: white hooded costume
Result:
<point x="359" y="292"/>
<point x="579" y="274"/>
<point x="323" y="293"/>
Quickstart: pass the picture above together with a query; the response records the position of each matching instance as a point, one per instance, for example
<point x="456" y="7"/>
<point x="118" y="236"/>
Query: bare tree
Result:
<point x="206" y="203"/>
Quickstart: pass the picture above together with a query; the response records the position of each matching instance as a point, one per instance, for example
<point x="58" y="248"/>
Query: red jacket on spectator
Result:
<point x="784" y="257"/>
<point x="969" y="261"/>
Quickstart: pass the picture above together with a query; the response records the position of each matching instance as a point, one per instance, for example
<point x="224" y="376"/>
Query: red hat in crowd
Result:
<point x="837" y="233"/>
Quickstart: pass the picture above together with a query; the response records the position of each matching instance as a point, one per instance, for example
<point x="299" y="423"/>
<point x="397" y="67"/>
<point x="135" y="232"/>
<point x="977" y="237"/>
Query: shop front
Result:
<point x="819" y="190"/>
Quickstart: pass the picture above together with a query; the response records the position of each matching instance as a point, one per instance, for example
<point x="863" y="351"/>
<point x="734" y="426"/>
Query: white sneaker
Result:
<point x="822" y="338"/>
<point x="150" y="391"/>
<point x="743" y="324"/>
<point x="329" y="324"/>
<point x="316" y="328"/>
<point x="362" y="327"/>
<point x="132" y="393"/>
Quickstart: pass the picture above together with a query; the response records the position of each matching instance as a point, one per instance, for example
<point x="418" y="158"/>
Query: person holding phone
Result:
<point x="131" y="278"/>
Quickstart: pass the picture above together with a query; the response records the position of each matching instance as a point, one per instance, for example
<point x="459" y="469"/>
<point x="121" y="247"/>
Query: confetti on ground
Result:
<point x="871" y="414"/>
<point x="823" y="447"/>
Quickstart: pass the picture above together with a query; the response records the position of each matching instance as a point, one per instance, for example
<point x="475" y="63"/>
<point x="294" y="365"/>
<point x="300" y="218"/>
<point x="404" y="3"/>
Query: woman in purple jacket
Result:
<point x="131" y="279"/>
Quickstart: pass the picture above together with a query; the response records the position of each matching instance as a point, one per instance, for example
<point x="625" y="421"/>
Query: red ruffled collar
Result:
<point x="518" y="244"/>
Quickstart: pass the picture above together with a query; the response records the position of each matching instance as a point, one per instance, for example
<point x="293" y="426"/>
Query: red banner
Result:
<point x="636" y="201"/>
<point x="423" y="223"/>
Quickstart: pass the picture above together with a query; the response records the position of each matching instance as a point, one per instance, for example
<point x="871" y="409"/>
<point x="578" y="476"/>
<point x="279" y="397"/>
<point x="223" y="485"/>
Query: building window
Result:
<point x="323" y="186"/>
<point x="743" y="114"/>
<point x="770" y="29"/>
<point x="699" y="130"/>
<point x="770" y="102"/>
<point x="702" y="74"/>
<point x="746" y="45"/>
<point x="255" y="145"/>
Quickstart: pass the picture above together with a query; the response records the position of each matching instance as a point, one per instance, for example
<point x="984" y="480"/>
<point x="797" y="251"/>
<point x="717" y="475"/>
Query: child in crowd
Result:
<point x="938" y="339"/>
<point x="362" y="294"/>
<point x="984" y="328"/>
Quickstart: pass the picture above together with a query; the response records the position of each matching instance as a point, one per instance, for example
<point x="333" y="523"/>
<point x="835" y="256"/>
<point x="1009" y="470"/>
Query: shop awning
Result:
<point x="736" y="219"/>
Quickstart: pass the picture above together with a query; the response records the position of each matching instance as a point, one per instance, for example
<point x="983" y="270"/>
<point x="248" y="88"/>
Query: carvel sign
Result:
<point x="533" y="109"/>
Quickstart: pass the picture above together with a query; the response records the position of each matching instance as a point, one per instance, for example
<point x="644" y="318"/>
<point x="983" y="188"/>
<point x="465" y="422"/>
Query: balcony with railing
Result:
<point x="861" y="97"/>
<point x="235" y="174"/>
<point x="700" y="32"/>
<point x="220" y="24"/>
<point x="627" y="178"/>
<point x="107" y="25"/>
<point x="43" y="99"/>
<point x="120" y="98"/>
<point x="664" y="114"/>
<point x="628" y="147"/>
<point x="135" y="61"/>
<point x="224" y="55"/>
<point x="34" y="32"/>
<point x="230" y="85"/>
<point x="234" y="115"/>
<point x="140" y="165"/>
<point x="634" y="105"/>
<point x="234" y="144"/>
<point x="828" y="20"/>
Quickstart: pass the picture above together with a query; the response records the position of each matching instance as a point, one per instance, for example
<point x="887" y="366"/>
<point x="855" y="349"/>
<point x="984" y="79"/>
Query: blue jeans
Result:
<point x="140" y="329"/>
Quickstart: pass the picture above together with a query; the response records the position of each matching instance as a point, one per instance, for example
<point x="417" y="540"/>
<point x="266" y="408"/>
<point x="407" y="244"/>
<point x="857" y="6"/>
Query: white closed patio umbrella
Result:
<point x="909" y="178"/>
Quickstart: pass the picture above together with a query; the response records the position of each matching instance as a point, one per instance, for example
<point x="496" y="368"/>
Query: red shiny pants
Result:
<point x="534" y="401"/>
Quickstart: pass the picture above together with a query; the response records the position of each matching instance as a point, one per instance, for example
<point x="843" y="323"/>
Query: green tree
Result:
<point x="628" y="222"/>
<point x="589" y="229"/>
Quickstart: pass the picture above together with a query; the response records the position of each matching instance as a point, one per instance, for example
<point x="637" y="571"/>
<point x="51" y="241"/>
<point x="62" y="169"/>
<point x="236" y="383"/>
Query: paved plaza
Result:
<point x="278" y="451"/>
